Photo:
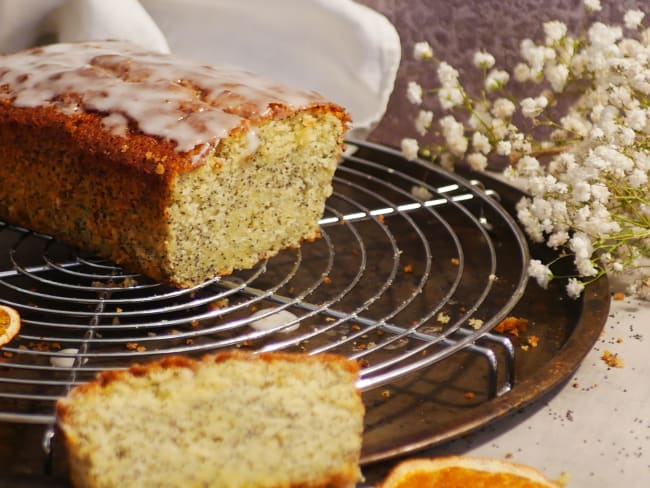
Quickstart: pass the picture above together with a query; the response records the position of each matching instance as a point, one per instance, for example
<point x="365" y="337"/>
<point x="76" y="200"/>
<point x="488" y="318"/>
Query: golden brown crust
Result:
<point x="104" y="378"/>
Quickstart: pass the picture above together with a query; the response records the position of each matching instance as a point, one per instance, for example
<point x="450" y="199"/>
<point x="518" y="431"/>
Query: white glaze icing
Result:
<point x="189" y="103"/>
<point x="252" y="141"/>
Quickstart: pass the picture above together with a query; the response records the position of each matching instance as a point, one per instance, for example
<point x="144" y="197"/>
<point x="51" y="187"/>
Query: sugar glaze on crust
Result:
<point x="137" y="90"/>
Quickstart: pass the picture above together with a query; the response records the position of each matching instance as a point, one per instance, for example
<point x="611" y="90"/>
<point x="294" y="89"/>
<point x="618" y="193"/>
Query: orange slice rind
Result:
<point x="9" y="324"/>
<point x="465" y="471"/>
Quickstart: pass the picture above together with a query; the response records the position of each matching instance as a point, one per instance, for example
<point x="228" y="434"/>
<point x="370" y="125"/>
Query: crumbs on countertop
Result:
<point x="612" y="359"/>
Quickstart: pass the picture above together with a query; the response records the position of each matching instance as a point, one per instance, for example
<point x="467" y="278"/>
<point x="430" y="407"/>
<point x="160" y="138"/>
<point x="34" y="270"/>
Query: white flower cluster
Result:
<point x="585" y="171"/>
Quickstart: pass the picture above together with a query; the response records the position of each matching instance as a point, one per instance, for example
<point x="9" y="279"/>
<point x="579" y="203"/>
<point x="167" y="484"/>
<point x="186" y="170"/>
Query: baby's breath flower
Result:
<point x="592" y="5"/>
<point x="410" y="148"/>
<point x="423" y="121"/>
<point x="496" y="79"/>
<point x="636" y="119"/>
<point x="574" y="288"/>
<point x="535" y="56"/>
<point x="480" y="117"/>
<point x="638" y="178"/>
<point x="575" y="124"/>
<point x="596" y="133"/>
<point x="581" y="191"/>
<point x="520" y="144"/>
<point x="447" y="75"/>
<point x="557" y="75"/>
<point x="521" y="72"/>
<point x="414" y="92"/>
<point x="557" y="239"/>
<point x="422" y="50"/>
<point x="541" y="272"/>
<point x="483" y="59"/>
<point x="503" y="108"/>
<point x="504" y="148"/>
<point x="500" y="128"/>
<point x="633" y="18"/>
<point x="532" y="107"/>
<point x="447" y="161"/>
<point x="450" y="97"/>
<point x="604" y="36"/>
<point x="481" y="143"/>
<point x="528" y="166"/>
<point x="454" y="134"/>
<point x="477" y="161"/>
<point x="555" y="31"/>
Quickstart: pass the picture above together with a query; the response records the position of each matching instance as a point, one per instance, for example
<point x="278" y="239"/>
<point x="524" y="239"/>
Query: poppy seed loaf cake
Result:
<point x="170" y="168"/>
<point x="230" y="420"/>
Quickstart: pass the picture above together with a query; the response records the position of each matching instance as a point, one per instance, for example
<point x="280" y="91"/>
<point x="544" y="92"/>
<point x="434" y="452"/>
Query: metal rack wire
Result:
<point x="414" y="265"/>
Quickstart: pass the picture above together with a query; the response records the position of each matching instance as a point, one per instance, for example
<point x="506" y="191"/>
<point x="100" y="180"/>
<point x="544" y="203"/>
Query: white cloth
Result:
<point x="346" y="51"/>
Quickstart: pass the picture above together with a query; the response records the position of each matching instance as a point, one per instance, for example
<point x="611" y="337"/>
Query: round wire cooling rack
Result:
<point x="414" y="269"/>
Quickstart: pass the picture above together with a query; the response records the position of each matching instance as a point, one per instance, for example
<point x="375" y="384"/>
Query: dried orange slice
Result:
<point x="463" y="472"/>
<point x="9" y="324"/>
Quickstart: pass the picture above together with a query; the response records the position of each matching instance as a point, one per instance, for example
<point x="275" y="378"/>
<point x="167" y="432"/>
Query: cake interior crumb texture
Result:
<point x="242" y="207"/>
<point x="235" y="422"/>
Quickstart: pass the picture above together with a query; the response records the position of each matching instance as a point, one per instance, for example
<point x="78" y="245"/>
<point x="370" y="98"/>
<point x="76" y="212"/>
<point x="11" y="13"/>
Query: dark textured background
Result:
<point x="458" y="28"/>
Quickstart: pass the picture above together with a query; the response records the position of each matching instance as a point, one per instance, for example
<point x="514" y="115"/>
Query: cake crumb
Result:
<point x="512" y="325"/>
<point x="612" y="359"/>
<point x="217" y="304"/>
<point x="475" y="323"/>
<point x="533" y="341"/>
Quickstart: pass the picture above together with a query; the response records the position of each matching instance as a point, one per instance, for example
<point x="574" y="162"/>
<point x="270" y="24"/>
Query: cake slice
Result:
<point x="177" y="170"/>
<point x="230" y="420"/>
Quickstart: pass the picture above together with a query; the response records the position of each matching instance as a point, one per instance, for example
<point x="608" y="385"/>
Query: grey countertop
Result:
<point x="595" y="430"/>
